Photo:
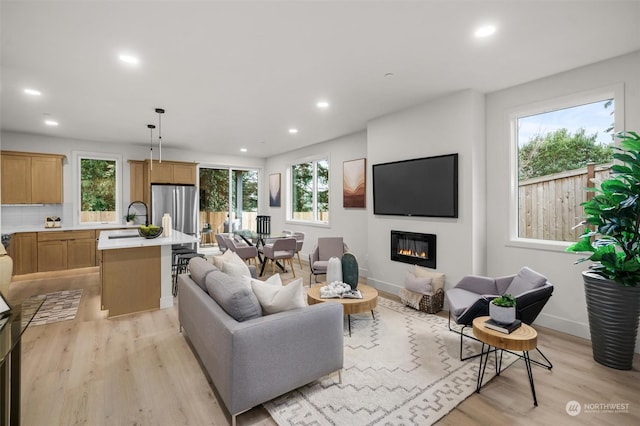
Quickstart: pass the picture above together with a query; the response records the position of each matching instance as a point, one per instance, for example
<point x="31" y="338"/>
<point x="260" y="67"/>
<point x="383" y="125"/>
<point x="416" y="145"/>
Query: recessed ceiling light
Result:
<point x="293" y="131"/>
<point x="50" y="122"/>
<point x="129" y="59"/>
<point x="243" y="149"/>
<point x="322" y="104"/>
<point x="32" y="92"/>
<point x="485" y="31"/>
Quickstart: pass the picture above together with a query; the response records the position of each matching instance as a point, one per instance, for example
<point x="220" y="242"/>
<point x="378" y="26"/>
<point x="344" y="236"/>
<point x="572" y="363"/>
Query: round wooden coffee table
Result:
<point x="349" y="306"/>
<point x="524" y="338"/>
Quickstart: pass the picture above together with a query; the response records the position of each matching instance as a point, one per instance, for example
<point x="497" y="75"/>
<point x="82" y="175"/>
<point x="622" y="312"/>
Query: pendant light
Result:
<point x="151" y="127"/>
<point x="160" y="111"/>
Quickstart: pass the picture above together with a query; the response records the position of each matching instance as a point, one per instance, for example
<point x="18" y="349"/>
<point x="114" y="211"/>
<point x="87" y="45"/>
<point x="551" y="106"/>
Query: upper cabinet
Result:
<point x="171" y="172"/>
<point x="31" y="178"/>
<point x="143" y="176"/>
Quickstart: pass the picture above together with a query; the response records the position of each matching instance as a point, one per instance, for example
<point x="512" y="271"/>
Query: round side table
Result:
<point x="524" y="339"/>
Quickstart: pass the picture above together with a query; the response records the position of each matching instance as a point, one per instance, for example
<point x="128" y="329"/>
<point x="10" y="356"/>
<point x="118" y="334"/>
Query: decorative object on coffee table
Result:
<point x="334" y="270"/>
<point x="350" y="270"/>
<point x="503" y="309"/>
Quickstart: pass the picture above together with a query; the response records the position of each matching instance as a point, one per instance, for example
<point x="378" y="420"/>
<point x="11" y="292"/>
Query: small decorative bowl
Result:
<point x="150" y="233"/>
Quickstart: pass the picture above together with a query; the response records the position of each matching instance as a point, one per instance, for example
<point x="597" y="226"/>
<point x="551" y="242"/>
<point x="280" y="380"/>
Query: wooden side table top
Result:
<point x="350" y="306"/>
<point x="524" y="338"/>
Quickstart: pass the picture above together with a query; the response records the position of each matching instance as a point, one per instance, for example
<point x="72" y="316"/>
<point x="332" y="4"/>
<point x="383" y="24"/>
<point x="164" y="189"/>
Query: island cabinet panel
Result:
<point x="23" y="249"/>
<point x="131" y="280"/>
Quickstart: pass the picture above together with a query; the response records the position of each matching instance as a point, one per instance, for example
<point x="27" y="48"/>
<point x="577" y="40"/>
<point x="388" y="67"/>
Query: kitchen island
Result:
<point x="135" y="272"/>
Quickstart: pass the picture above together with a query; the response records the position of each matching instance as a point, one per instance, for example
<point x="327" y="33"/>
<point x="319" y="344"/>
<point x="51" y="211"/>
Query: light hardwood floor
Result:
<point x="139" y="370"/>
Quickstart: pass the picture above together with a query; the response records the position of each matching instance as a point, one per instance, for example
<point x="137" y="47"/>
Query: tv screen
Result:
<point x="418" y="187"/>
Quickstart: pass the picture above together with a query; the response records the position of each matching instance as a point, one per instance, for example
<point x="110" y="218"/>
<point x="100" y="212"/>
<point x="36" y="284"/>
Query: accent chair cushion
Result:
<point x="526" y="280"/>
<point x="420" y="285"/>
<point x="459" y="300"/>
<point x="233" y="295"/>
<point x="437" y="278"/>
<point x="278" y="298"/>
<point x="320" y="265"/>
<point x="199" y="268"/>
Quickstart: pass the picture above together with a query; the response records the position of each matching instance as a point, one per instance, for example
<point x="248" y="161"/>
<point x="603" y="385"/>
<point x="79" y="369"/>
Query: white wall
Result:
<point x="453" y="124"/>
<point x="566" y="310"/>
<point x="349" y="223"/>
<point x="34" y="215"/>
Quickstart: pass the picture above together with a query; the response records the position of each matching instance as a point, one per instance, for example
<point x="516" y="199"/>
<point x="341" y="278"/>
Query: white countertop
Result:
<point x="106" y="243"/>
<point x="41" y="228"/>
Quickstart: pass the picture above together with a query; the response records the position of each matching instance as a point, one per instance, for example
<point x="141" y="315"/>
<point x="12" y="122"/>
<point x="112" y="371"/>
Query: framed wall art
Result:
<point x="274" y="190"/>
<point x="354" y="183"/>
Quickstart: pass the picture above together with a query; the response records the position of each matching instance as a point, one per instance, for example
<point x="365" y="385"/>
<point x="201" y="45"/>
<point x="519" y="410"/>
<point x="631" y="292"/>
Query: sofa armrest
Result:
<point x="281" y="352"/>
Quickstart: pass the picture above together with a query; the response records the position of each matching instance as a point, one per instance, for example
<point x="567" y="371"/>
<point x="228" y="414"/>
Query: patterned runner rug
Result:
<point x="401" y="368"/>
<point x="59" y="306"/>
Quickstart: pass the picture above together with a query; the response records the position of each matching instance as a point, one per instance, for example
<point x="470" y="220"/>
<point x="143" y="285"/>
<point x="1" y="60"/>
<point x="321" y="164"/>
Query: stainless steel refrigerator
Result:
<point x="180" y="201"/>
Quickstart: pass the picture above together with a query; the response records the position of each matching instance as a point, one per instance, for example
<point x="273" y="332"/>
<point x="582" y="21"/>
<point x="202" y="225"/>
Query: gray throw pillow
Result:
<point x="527" y="279"/>
<point x="199" y="268"/>
<point x="233" y="295"/>
<point x="420" y="285"/>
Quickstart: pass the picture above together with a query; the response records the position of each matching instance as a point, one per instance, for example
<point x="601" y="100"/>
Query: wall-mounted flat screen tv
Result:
<point x="417" y="187"/>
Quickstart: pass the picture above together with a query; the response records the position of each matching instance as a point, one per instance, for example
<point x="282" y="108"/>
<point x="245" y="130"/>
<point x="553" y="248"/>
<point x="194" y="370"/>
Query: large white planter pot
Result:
<point x="501" y="314"/>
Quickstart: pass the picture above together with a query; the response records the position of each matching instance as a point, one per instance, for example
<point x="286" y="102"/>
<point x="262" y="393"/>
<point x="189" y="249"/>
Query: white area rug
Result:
<point x="403" y="368"/>
<point x="59" y="306"/>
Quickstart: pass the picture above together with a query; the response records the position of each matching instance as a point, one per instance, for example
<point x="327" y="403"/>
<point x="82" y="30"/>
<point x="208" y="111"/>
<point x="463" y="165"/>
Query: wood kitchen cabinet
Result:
<point x="60" y="250"/>
<point x="171" y="172"/>
<point x="31" y="178"/>
<point x="23" y="250"/>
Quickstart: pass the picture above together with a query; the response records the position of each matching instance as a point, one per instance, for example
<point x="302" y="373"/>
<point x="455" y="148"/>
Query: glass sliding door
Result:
<point x="228" y="199"/>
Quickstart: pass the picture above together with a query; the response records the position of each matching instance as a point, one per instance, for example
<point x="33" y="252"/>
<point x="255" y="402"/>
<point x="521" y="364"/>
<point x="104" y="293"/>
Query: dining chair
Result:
<point x="282" y="249"/>
<point x="299" y="236"/>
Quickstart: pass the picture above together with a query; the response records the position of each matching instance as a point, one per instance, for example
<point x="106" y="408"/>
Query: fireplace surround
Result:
<point x="414" y="248"/>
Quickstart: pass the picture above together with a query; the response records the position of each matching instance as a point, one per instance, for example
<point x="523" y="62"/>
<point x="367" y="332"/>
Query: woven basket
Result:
<point x="432" y="304"/>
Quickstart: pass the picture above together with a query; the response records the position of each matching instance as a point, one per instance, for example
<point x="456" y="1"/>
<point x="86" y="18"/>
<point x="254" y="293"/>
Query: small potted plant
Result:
<point x="130" y="218"/>
<point x="503" y="309"/>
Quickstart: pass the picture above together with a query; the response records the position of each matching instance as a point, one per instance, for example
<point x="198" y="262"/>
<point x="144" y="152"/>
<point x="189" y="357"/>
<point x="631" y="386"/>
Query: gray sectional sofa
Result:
<point x="252" y="358"/>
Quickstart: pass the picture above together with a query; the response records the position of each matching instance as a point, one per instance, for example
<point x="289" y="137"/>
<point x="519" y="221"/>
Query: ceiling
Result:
<point x="239" y="74"/>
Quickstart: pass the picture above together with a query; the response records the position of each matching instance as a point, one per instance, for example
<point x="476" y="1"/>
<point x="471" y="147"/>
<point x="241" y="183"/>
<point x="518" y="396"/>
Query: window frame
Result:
<point x="289" y="199"/>
<point x="580" y="98"/>
<point x="77" y="186"/>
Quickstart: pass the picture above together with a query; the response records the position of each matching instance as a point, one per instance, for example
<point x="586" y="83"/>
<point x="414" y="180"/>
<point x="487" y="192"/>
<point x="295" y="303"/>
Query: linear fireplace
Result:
<point x="414" y="248"/>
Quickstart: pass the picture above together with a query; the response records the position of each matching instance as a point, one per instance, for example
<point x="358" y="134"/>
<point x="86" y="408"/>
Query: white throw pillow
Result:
<point x="218" y="261"/>
<point x="235" y="270"/>
<point x="420" y="285"/>
<point x="274" y="299"/>
<point x="437" y="278"/>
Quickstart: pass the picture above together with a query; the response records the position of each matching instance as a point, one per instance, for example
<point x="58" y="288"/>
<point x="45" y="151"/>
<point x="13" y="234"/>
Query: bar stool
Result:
<point x="181" y="256"/>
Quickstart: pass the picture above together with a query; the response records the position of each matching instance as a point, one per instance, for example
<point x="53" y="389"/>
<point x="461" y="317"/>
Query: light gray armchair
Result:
<point x="325" y="249"/>
<point x="470" y="299"/>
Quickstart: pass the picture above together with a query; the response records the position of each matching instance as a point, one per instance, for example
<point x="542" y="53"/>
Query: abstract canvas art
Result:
<point x="274" y="190"/>
<point x="354" y="174"/>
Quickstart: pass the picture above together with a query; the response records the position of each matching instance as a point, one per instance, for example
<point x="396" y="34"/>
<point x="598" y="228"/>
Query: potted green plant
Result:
<point x="130" y="218"/>
<point x="612" y="238"/>
<point x="502" y="309"/>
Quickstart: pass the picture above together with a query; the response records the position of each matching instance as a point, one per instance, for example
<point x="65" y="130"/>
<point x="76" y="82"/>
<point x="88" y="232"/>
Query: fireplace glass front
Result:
<point x="414" y="248"/>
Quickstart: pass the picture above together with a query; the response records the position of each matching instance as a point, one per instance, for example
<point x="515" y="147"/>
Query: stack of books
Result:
<point x="502" y="328"/>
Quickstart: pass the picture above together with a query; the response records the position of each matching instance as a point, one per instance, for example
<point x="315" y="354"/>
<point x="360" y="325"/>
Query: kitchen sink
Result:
<point x="124" y="236"/>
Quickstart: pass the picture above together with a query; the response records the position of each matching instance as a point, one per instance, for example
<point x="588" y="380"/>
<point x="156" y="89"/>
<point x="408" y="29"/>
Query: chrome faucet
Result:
<point x="146" y="211"/>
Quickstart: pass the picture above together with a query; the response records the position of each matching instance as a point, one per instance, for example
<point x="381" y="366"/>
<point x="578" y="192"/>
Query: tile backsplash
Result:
<point x="33" y="215"/>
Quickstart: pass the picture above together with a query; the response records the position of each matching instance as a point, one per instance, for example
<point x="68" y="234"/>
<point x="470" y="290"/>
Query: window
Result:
<point x="310" y="191"/>
<point x="561" y="148"/>
<point x="228" y="199"/>
<point x="99" y="188"/>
